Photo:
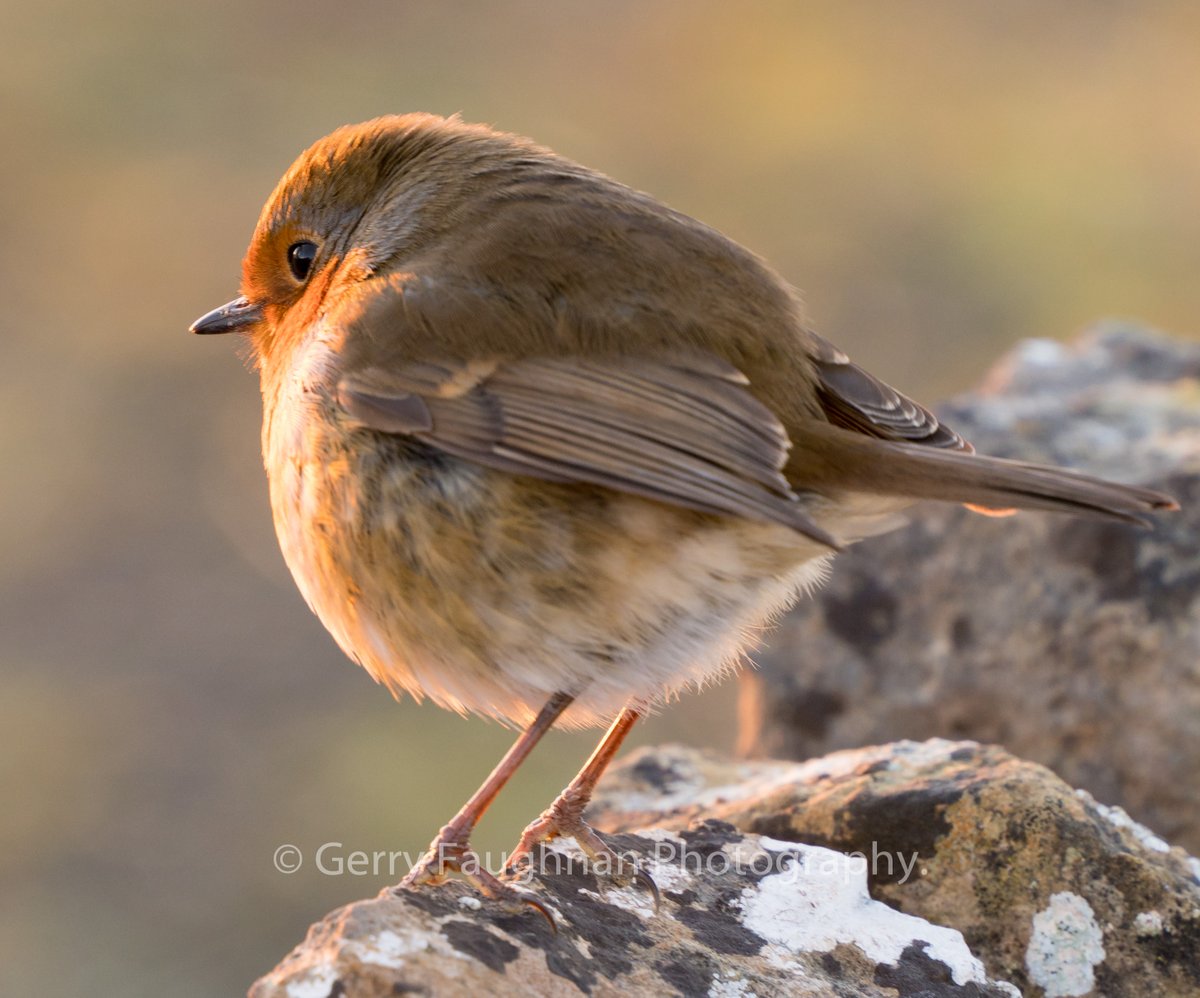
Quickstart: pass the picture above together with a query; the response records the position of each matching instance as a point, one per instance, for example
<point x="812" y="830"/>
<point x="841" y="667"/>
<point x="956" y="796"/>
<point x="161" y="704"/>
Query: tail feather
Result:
<point x="853" y="462"/>
<point x="993" y="481"/>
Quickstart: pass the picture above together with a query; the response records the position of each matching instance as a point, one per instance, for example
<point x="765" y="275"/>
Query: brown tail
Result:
<point x="842" y="459"/>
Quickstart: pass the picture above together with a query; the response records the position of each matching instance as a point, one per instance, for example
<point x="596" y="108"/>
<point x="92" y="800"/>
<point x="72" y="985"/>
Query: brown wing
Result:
<point x="685" y="432"/>
<point x="856" y="400"/>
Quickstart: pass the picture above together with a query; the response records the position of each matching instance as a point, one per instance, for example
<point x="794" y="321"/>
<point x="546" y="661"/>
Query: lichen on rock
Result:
<point x="1046" y="885"/>
<point x="741" y="915"/>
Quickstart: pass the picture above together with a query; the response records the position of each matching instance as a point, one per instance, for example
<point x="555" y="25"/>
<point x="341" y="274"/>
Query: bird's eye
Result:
<point x="300" y="257"/>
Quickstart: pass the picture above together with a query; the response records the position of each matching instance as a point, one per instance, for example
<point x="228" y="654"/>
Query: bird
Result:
<point x="542" y="449"/>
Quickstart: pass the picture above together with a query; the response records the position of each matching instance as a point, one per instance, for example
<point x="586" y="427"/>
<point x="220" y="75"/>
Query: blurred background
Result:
<point x="941" y="178"/>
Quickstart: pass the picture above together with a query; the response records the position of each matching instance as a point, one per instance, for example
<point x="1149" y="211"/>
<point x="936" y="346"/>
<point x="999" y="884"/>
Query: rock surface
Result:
<point x="1072" y="642"/>
<point x="1057" y="894"/>
<point x="741" y="915"/>
<point x="986" y="875"/>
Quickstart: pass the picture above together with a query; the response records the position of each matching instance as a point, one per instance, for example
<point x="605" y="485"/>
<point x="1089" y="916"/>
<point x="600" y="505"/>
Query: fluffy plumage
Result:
<point x="530" y="431"/>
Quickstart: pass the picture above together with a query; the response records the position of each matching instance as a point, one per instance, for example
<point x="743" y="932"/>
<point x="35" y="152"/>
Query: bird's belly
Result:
<point x="489" y="592"/>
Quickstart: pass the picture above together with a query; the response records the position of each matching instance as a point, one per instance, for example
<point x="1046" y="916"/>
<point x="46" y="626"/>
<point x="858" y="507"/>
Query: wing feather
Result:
<point x="856" y="400"/>
<point x="685" y="432"/>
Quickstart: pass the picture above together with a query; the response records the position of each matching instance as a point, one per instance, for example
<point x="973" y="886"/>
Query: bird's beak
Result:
<point x="229" y="318"/>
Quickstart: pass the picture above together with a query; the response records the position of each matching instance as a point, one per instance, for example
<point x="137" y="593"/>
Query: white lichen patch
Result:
<point x="779" y="845"/>
<point x="1036" y="352"/>
<point x="1118" y="816"/>
<point x="388" y="948"/>
<point x="730" y="987"/>
<point x="564" y="845"/>
<point x="928" y="754"/>
<point x="668" y="875"/>
<point x="632" y="898"/>
<point x="1148" y="923"/>
<point x="320" y="968"/>
<point x="659" y="835"/>
<point x="820" y="901"/>
<point x="1065" y="948"/>
<point x="317" y="970"/>
<point x="470" y="902"/>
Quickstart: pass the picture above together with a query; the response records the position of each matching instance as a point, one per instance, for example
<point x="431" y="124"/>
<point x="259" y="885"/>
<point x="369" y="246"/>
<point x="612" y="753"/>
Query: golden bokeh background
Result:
<point x="941" y="177"/>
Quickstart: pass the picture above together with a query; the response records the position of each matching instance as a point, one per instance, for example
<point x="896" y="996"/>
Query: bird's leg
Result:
<point x="450" y="851"/>
<point x="565" y="816"/>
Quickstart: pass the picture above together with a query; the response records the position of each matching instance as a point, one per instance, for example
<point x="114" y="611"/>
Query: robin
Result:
<point x="542" y="449"/>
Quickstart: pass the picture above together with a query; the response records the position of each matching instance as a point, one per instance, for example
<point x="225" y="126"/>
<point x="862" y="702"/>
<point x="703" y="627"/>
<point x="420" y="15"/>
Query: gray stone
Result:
<point x="741" y="915"/>
<point x="1071" y="642"/>
<point x="938" y="868"/>
<point x="1056" y="893"/>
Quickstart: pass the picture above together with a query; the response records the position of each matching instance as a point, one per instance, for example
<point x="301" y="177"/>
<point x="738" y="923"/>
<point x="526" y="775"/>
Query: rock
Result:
<point x="1056" y="893"/>
<point x="741" y="915"/>
<point x="1072" y="642"/>
<point x="981" y="869"/>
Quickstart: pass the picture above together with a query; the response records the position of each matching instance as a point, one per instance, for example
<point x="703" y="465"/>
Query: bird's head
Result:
<point x="355" y="205"/>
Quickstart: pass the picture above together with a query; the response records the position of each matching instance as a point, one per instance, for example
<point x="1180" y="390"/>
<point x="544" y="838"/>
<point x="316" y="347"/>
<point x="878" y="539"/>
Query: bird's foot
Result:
<point x="451" y="853"/>
<point x="565" y="818"/>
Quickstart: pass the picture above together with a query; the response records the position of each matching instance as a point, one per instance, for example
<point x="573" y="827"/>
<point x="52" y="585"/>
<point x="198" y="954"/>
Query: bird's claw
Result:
<point x="449" y="855"/>
<point x="647" y="882"/>
<point x="606" y="862"/>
